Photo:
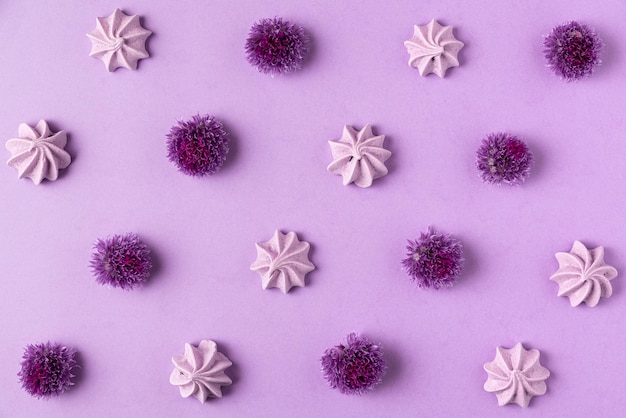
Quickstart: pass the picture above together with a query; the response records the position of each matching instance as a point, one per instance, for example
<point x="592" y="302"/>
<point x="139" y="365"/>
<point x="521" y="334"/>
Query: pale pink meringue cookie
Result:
<point x="433" y="49"/>
<point x="583" y="276"/>
<point x="515" y="375"/>
<point x="38" y="153"/>
<point x="200" y="371"/>
<point x="283" y="261"/>
<point x="359" y="156"/>
<point x="119" y="40"/>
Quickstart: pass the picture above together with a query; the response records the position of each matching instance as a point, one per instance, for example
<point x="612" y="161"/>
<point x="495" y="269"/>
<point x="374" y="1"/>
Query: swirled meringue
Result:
<point x="359" y="157"/>
<point x="283" y="261"/>
<point x="200" y="371"/>
<point x="583" y="276"/>
<point x="119" y="40"/>
<point x="38" y="153"/>
<point x="433" y="49"/>
<point x="515" y="375"/>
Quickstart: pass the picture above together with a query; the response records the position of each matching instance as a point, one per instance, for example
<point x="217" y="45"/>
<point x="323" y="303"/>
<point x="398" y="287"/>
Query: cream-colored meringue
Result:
<point x="515" y="375"/>
<point x="283" y="261"/>
<point x="200" y="371"/>
<point x="583" y="276"/>
<point x="119" y="40"/>
<point x="433" y="49"/>
<point x="38" y="153"/>
<point x="359" y="156"/>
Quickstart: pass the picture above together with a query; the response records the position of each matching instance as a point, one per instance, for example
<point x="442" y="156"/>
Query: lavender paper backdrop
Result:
<point x="203" y="231"/>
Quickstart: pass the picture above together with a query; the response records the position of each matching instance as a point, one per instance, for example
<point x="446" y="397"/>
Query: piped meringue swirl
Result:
<point x="38" y="153"/>
<point x="359" y="156"/>
<point x="200" y="371"/>
<point x="583" y="276"/>
<point x="433" y="49"/>
<point x="515" y="375"/>
<point x="283" y="261"/>
<point x="119" y="40"/>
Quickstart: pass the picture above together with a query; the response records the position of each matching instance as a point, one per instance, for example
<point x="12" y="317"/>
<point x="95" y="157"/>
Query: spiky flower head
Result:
<point x="354" y="368"/>
<point x="121" y="261"/>
<point x="434" y="259"/>
<point x="46" y="369"/>
<point x="503" y="158"/>
<point x="276" y="46"/>
<point x="572" y="50"/>
<point x="198" y="146"/>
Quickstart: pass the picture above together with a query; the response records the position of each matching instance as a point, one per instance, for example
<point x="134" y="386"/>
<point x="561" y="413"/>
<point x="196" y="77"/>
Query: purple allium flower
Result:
<point x="276" y="46"/>
<point x="572" y="50"/>
<point x="121" y="261"/>
<point x="434" y="259"/>
<point x="198" y="146"/>
<point x="354" y="368"/>
<point x="503" y="158"/>
<point x="46" y="369"/>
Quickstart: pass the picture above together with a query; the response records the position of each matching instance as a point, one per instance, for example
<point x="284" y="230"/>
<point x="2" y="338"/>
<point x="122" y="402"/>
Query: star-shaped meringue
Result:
<point x="119" y="40"/>
<point x="200" y="371"/>
<point x="283" y="261"/>
<point x="515" y="375"/>
<point x="433" y="49"/>
<point x="583" y="276"/>
<point x="359" y="156"/>
<point x="38" y="153"/>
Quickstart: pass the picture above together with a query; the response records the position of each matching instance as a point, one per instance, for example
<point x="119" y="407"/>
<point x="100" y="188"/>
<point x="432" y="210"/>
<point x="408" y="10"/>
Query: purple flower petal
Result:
<point x="573" y="50"/>
<point x="46" y="369"/>
<point x="121" y="261"/>
<point x="276" y="46"/>
<point x="503" y="158"/>
<point x="434" y="260"/>
<point x="198" y="146"/>
<point x="354" y="368"/>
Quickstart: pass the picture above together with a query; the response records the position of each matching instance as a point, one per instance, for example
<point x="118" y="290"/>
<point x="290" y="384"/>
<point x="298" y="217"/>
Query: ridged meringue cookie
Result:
<point x="119" y="40"/>
<point x="433" y="49"/>
<point x="283" y="261"/>
<point x="38" y="153"/>
<point x="583" y="276"/>
<point x="200" y="371"/>
<point x="359" y="156"/>
<point x="515" y="375"/>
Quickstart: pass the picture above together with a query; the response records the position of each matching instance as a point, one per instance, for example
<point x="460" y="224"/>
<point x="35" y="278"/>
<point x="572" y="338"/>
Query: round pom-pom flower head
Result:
<point x="198" y="146"/>
<point x="354" y="368"/>
<point x="46" y="369"/>
<point x="121" y="261"/>
<point x="572" y="50"/>
<point x="503" y="158"/>
<point x="276" y="46"/>
<point x="434" y="259"/>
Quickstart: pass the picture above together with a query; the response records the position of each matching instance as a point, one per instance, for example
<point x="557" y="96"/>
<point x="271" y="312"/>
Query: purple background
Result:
<point x="202" y="231"/>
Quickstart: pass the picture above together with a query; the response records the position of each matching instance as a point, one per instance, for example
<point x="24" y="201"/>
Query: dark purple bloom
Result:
<point x="503" y="158"/>
<point x="46" y="369"/>
<point x="276" y="46"/>
<point x="198" y="146"/>
<point x="572" y="50"/>
<point x="354" y="368"/>
<point x="121" y="261"/>
<point x="434" y="260"/>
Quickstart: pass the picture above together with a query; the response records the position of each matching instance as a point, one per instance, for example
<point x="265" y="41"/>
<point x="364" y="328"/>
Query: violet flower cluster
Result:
<point x="46" y="369"/>
<point x="198" y="146"/>
<point x="276" y="46"/>
<point x="121" y="261"/>
<point x="503" y="158"/>
<point x="434" y="260"/>
<point x="354" y="368"/>
<point x="572" y="50"/>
